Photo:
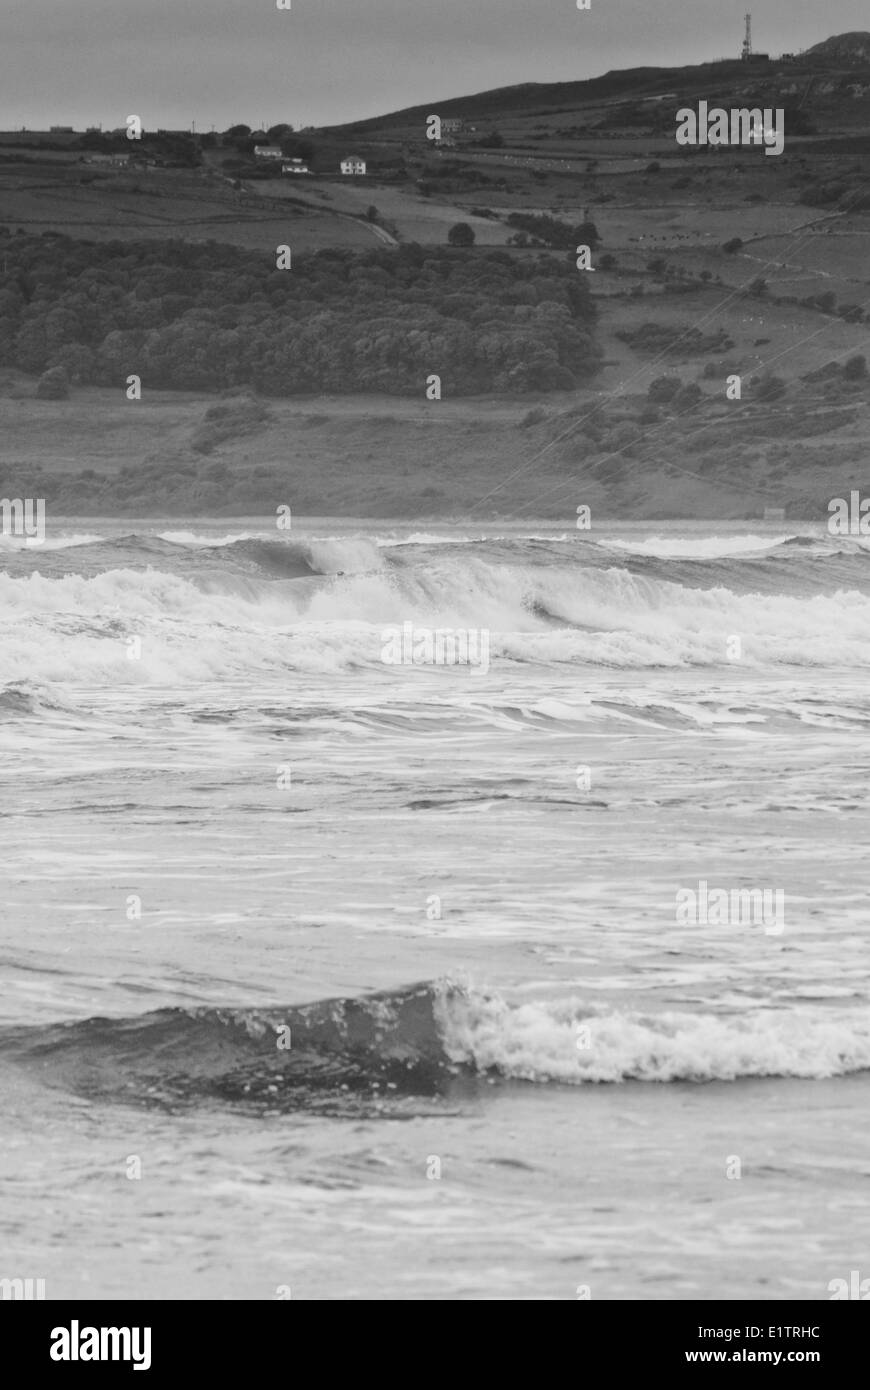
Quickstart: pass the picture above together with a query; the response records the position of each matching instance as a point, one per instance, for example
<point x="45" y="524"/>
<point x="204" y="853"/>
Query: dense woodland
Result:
<point x="210" y="317"/>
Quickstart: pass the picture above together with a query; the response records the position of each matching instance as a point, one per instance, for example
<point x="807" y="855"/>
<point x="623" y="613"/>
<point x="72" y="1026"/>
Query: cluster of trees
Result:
<point x="211" y="317"/>
<point x="562" y="236"/>
<point x="675" y="340"/>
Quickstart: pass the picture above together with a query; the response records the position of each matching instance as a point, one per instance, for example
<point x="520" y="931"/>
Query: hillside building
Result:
<point x="352" y="164"/>
<point x="268" y="152"/>
<point x="294" y="166"/>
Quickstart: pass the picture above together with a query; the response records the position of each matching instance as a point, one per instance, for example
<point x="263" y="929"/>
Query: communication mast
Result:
<point x="747" y="42"/>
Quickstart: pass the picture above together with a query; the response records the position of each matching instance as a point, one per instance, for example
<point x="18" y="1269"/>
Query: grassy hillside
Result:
<point x="711" y="263"/>
<point x="180" y="453"/>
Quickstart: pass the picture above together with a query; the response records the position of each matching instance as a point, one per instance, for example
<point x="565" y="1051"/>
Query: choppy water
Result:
<point x="288" y="924"/>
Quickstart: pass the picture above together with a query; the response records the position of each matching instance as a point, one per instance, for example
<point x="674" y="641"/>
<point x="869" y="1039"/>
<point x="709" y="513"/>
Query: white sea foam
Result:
<point x="51" y="542"/>
<point x="197" y="539"/>
<point x="74" y="627"/>
<point x="698" y="548"/>
<point x="538" y="1041"/>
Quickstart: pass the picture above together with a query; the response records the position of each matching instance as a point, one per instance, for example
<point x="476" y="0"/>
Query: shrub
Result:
<point x="768" y="388"/>
<point x="688" y="397"/>
<point x="53" y="385"/>
<point x="856" y="368"/>
<point x="461" y="234"/>
<point x="663" y="390"/>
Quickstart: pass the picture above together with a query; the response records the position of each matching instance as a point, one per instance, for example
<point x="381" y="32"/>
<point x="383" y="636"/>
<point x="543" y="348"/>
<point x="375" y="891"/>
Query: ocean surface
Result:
<point x="326" y="976"/>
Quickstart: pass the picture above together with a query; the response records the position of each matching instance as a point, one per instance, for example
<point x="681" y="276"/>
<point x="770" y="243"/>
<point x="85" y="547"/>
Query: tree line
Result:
<point x="210" y="317"/>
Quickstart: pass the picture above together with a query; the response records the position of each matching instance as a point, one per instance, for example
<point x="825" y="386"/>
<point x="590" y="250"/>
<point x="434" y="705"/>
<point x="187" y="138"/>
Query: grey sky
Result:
<point x="324" y="61"/>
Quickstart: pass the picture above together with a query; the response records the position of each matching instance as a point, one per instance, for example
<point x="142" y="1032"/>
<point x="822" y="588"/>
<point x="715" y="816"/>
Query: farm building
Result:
<point x="294" y="166"/>
<point x="268" y="152"/>
<point x="353" y="165"/>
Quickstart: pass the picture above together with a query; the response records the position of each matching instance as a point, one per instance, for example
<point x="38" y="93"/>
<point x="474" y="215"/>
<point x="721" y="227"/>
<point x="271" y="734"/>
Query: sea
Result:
<point x="471" y="913"/>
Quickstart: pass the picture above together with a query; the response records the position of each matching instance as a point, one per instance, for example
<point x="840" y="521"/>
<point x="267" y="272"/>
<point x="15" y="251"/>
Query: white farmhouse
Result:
<point x="294" y="166"/>
<point x="352" y="165"/>
<point x="268" y="152"/>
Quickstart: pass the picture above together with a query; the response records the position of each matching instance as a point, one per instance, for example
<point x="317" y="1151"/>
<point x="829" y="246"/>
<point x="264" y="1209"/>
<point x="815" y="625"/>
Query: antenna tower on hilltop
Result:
<point x="747" y="42"/>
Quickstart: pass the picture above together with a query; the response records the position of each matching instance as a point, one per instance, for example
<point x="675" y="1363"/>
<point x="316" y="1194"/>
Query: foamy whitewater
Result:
<point x="376" y="968"/>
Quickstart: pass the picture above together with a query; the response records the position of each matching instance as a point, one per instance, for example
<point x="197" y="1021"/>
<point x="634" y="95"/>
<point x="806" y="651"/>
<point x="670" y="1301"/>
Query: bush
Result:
<point x="733" y="245"/>
<point x="688" y="397"/>
<point x="461" y="234"/>
<point x="768" y="388"/>
<point x="53" y="385"/>
<point x="856" y="368"/>
<point x="663" y="390"/>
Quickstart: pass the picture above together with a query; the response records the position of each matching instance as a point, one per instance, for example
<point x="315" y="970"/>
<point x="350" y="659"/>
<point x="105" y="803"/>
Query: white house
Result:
<point x="268" y="152"/>
<point x="294" y="166"/>
<point x="352" y="165"/>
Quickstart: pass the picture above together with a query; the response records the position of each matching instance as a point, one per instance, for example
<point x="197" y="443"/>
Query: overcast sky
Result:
<point x="82" y="62"/>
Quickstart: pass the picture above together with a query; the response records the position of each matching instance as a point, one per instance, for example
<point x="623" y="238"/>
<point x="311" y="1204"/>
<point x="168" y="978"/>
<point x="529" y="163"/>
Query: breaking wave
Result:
<point x="427" y="1040"/>
<point x="245" y="605"/>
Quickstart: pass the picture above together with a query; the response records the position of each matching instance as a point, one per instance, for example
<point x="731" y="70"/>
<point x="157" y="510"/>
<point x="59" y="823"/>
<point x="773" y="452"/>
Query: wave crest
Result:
<point x="423" y="1041"/>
